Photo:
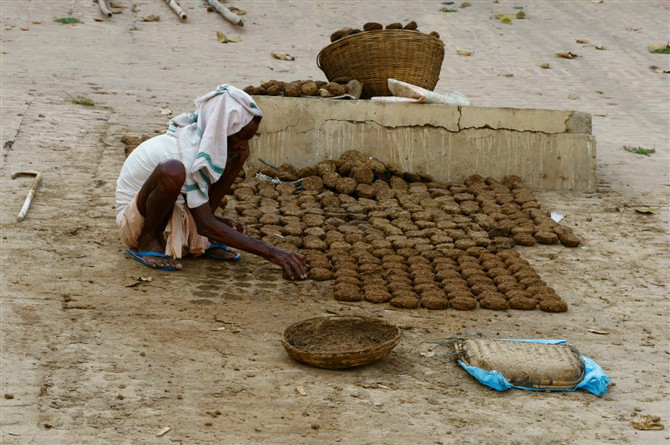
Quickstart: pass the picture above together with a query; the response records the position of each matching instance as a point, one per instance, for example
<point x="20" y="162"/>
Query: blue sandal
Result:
<point x="139" y="257"/>
<point x="223" y="247"/>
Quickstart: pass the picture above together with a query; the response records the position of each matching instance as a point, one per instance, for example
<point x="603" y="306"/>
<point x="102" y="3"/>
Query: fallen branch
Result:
<point x="104" y="8"/>
<point x="226" y="13"/>
<point x="176" y="8"/>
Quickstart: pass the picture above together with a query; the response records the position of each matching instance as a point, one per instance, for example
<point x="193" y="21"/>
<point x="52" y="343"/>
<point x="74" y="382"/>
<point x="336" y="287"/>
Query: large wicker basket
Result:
<point x="340" y="342"/>
<point x="372" y="57"/>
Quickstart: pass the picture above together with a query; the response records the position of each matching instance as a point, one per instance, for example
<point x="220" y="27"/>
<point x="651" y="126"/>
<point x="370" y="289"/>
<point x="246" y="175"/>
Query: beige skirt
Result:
<point x="181" y="235"/>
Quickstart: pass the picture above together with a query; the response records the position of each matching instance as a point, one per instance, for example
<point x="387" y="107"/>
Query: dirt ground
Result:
<point x="88" y="359"/>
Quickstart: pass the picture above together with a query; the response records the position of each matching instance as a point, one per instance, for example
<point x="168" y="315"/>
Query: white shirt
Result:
<point x="142" y="162"/>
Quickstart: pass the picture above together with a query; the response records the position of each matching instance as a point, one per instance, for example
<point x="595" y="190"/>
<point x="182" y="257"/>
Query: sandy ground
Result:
<point x="88" y="359"/>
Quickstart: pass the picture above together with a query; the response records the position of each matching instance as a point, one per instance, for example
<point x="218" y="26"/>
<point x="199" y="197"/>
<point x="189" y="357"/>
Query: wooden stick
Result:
<point x="104" y="8"/>
<point x="31" y="193"/>
<point x="176" y="8"/>
<point x="226" y="13"/>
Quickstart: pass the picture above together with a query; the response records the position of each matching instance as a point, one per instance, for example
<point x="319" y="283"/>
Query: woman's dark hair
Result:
<point x="257" y="119"/>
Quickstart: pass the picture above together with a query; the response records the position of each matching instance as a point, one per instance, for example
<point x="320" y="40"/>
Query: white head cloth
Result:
<point x="202" y="136"/>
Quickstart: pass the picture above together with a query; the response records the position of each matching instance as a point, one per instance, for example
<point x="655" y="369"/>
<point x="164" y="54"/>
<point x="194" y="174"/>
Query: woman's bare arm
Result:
<point x="208" y="225"/>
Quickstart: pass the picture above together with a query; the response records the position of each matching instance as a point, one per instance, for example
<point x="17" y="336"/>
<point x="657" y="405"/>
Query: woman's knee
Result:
<point x="172" y="174"/>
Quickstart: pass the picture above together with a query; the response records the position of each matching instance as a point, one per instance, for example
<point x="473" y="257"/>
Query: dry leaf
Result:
<point x="647" y="423"/>
<point x="601" y="47"/>
<point x="97" y="19"/>
<point x="545" y="66"/>
<point x="300" y="390"/>
<point x="221" y="37"/>
<point x="647" y="210"/>
<point x="166" y="111"/>
<point x="282" y="56"/>
<point x="464" y="53"/>
<point x="659" y="48"/>
<point x="163" y="431"/>
<point x="117" y="5"/>
<point x="24" y="28"/>
<point x="583" y="41"/>
<point x="567" y="55"/>
<point x="237" y="11"/>
<point x="599" y="115"/>
<point x="135" y="8"/>
<point x="151" y="18"/>
<point x="466" y="4"/>
<point x="573" y="96"/>
<point x="427" y="354"/>
<point x="658" y="69"/>
<point x="507" y="18"/>
<point x="597" y="1"/>
<point x="222" y="328"/>
<point x="37" y="22"/>
<point x="599" y="332"/>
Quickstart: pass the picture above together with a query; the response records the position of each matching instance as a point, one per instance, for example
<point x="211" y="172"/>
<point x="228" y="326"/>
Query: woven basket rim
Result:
<point x="388" y="32"/>
<point x="391" y="343"/>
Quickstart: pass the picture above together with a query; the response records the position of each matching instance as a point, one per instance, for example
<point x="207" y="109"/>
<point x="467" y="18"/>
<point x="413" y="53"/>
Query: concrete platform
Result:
<point x="550" y="150"/>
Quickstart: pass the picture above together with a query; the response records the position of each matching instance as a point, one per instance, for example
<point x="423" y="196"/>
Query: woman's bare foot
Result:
<point x="153" y="261"/>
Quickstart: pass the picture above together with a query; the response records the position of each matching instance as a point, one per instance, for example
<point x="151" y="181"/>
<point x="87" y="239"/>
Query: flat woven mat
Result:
<point x="532" y="365"/>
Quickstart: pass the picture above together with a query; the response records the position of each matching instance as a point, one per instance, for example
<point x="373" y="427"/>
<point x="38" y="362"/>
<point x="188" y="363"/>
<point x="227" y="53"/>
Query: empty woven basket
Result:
<point x="340" y="342"/>
<point x="372" y="57"/>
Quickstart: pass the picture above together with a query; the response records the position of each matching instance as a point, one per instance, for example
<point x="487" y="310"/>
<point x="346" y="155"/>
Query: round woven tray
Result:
<point x="372" y="57"/>
<point x="340" y="342"/>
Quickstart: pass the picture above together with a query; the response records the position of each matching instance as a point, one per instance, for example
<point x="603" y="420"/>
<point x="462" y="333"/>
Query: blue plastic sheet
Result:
<point x="594" y="381"/>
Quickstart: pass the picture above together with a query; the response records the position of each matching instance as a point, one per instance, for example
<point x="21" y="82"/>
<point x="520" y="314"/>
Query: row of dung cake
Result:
<point x="323" y="220"/>
<point x="374" y="26"/>
<point x="495" y="207"/>
<point x="299" y="88"/>
<point x="458" y="279"/>
<point x="513" y="209"/>
<point x="281" y="212"/>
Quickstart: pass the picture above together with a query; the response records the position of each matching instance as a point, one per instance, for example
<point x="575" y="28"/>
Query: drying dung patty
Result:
<point x="377" y="297"/>
<point x="348" y="294"/>
<point x="546" y="237"/>
<point x="463" y="304"/>
<point x="434" y="302"/>
<point x="522" y="303"/>
<point x="320" y="274"/>
<point x="493" y="303"/>
<point x="553" y="305"/>
<point x="405" y="302"/>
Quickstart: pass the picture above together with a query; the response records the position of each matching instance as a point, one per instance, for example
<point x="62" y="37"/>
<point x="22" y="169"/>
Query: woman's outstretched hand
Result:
<point x="292" y="263"/>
